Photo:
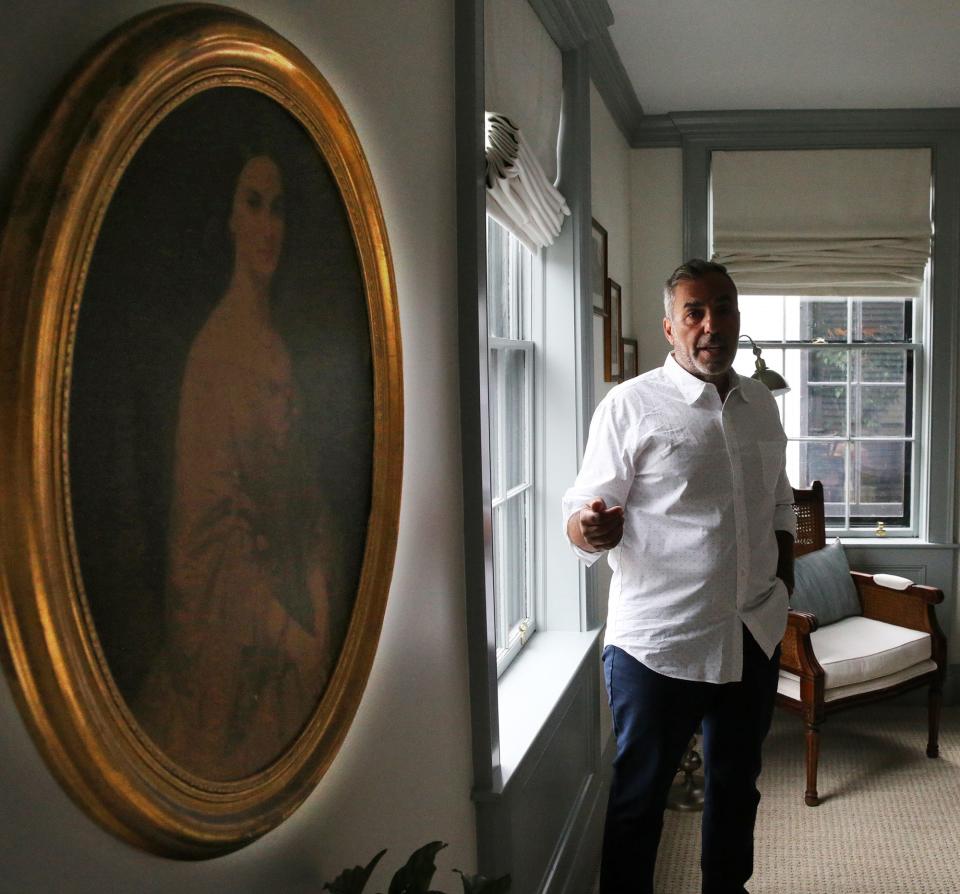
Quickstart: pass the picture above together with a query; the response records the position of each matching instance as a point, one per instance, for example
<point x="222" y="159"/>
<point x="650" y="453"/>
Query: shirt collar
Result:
<point x="691" y="387"/>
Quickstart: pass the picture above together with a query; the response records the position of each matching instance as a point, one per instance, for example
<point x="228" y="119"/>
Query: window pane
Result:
<point x="816" y="411"/>
<point x="880" y="410"/>
<point x="826" y="411"/>
<point x="879" y="477"/>
<point x="514" y="371"/>
<point x="879" y="320"/>
<point x="498" y="279"/>
<point x="761" y="317"/>
<point x="883" y="365"/>
<point x="827" y="366"/>
<point x="494" y="386"/>
<point x="826" y="461"/>
<point x="817" y="318"/>
<point x="510" y="563"/>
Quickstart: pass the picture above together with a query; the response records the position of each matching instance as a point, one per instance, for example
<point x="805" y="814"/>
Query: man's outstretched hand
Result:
<point x="595" y="528"/>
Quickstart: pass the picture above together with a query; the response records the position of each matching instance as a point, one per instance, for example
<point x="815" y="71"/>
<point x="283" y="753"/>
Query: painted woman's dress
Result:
<point x="247" y="653"/>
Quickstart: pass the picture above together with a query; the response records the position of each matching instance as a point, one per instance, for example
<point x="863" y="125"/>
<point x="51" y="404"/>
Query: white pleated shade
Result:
<point x="520" y="197"/>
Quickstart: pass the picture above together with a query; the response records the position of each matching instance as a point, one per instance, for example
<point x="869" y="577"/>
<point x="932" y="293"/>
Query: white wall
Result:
<point x="656" y="192"/>
<point x="611" y="201"/>
<point x="403" y="776"/>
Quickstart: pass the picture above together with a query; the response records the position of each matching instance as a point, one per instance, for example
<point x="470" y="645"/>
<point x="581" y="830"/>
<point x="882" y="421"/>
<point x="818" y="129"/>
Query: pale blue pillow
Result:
<point x="822" y="585"/>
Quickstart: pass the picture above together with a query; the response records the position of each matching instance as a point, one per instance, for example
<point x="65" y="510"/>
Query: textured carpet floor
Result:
<point x="889" y="822"/>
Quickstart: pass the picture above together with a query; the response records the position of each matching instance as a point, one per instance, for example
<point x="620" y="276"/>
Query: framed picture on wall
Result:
<point x="612" y="335"/>
<point x="629" y="358"/>
<point x="201" y="299"/>
<point x="598" y="270"/>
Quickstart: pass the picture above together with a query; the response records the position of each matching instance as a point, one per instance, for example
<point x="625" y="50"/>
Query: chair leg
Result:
<point x="811" y="797"/>
<point x="934" y="702"/>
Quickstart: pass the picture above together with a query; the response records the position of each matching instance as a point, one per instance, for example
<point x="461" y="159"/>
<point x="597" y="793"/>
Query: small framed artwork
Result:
<point x="612" y="334"/>
<point x="628" y="357"/>
<point x="598" y="270"/>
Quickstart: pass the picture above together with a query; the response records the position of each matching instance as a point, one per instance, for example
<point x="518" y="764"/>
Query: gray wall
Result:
<point x="403" y="776"/>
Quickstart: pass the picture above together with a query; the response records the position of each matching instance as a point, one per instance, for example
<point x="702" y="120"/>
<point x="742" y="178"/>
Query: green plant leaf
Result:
<point x="415" y="877"/>
<point x="479" y="884"/>
<point x="353" y="881"/>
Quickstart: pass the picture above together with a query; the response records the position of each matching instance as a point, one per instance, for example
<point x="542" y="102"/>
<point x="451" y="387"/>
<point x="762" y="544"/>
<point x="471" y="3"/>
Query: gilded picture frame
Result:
<point x="189" y="664"/>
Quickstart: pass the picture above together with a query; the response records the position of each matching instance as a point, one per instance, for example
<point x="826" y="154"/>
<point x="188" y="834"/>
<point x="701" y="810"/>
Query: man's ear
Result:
<point x="668" y="329"/>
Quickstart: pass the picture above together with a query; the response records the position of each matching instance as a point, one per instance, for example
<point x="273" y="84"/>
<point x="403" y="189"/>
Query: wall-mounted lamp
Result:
<point x="774" y="381"/>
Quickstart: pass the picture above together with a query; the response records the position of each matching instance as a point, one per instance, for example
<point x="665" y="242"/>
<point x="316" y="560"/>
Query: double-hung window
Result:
<point x="851" y="415"/>
<point x="514" y="280"/>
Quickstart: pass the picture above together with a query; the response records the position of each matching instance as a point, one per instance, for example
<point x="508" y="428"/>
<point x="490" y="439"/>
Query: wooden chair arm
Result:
<point x="911" y="608"/>
<point x="796" y="650"/>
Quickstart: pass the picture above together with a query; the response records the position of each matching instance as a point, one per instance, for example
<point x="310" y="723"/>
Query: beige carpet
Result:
<point x="889" y="822"/>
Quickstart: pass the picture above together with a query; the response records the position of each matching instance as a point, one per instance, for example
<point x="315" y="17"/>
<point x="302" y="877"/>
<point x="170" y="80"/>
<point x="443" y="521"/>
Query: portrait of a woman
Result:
<point x="247" y="652"/>
<point x="238" y="426"/>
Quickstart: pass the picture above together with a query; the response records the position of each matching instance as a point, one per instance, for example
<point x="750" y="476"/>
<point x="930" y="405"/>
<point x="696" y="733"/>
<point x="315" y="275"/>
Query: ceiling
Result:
<point x="700" y="55"/>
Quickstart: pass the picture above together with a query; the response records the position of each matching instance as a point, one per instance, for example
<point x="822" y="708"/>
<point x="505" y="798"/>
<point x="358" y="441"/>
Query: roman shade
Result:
<point x="813" y="222"/>
<point x="523" y="71"/>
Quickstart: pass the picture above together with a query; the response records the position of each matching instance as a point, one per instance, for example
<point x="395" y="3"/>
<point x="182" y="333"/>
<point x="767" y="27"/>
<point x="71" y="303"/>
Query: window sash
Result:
<point x="844" y="516"/>
<point x="513" y="283"/>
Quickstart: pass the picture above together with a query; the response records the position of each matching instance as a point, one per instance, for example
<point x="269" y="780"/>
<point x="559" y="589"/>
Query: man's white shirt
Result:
<point x="704" y="487"/>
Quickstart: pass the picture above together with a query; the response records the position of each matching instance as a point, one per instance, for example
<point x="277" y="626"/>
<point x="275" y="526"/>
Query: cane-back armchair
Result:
<point x="891" y="644"/>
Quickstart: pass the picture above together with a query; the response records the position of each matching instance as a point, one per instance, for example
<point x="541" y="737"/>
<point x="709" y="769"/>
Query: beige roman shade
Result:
<point x="838" y="221"/>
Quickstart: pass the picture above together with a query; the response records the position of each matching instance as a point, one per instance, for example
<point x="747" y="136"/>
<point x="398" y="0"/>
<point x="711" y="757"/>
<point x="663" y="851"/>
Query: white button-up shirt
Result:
<point x="704" y="487"/>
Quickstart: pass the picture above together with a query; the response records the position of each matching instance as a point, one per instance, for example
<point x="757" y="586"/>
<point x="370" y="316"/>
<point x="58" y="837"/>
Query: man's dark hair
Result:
<point x="695" y="268"/>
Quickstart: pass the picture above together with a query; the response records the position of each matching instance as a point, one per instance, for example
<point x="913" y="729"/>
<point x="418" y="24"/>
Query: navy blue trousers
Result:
<point x="654" y="718"/>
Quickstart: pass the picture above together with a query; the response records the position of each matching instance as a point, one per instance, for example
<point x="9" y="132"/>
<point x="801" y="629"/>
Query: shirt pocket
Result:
<point x="772" y="461"/>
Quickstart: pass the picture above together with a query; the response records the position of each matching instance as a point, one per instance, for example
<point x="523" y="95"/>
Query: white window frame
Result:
<point x="512" y="637"/>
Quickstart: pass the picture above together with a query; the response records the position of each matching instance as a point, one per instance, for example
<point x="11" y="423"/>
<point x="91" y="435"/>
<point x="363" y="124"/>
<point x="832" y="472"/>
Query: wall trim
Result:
<point x="614" y="86"/>
<point x="572" y="23"/>
<point x="585" y="857"/>
<point x="656" y="132"/>
<point x="808" y="127"/>
<point x="474" y="434"/>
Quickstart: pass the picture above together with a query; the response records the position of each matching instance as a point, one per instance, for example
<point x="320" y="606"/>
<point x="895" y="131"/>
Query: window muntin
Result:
<point x="513" y="280"/>
<point x="850" y="416"/>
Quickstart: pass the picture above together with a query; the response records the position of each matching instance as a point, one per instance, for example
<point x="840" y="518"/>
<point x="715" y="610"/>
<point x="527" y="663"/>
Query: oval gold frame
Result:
<point x="130" y="82"/>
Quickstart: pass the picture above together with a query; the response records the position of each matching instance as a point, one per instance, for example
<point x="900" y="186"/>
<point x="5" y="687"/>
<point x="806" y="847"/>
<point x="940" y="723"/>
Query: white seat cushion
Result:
<point x="859" y="654"/>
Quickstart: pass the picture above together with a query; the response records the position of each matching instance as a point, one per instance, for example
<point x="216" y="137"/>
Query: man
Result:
<point x="683" y="481"/>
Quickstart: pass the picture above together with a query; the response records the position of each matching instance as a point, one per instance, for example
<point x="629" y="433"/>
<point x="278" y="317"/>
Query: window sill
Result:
<point x="888" y="542"/>
<point x="532" y="686"/>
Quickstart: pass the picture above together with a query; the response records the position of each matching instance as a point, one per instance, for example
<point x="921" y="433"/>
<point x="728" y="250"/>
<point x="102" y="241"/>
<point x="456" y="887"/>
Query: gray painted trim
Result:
<point x="586" y="858"/>
<point x="572" y="23"/>
<point x="943" y="339"/>
<point x="851" y="121"/>
<point x="655" y="132"/>
<point x="809" y="127"/>
<point x="613" y="84"/>
<point x="574" y="183"/>
<point x="498" y="848"/>
<point x="474" y="434"/>
<point x="939" y="129"/>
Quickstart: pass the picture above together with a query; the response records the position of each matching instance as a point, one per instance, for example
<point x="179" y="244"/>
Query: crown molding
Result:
<point x="614" y="86"/>
<point x="808" y="126"/>
<point x="572" y="23"/>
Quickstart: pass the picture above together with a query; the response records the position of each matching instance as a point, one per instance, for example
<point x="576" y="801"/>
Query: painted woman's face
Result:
<point x="257" y="217"/>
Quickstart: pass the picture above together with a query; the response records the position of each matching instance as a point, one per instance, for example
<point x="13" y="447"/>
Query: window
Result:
<point x="850" y="416"/>
<point x="513" y="281"/>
